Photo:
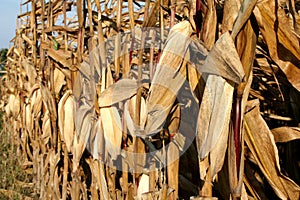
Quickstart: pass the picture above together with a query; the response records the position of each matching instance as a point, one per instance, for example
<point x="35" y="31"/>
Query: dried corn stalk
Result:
<point x="159" y="90"/>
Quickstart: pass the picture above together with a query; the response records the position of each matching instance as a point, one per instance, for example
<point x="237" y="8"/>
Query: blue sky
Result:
<point x="9" y="9"/>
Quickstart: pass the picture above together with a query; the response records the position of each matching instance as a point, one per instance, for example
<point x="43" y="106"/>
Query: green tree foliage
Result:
<point x="3" y="56"/>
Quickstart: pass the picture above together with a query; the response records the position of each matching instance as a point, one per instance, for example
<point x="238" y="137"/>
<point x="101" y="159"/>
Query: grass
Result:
<point x="13" y="179"/>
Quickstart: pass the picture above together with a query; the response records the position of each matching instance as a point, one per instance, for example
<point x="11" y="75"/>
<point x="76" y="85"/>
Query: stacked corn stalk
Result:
<point x="156" y="99"/>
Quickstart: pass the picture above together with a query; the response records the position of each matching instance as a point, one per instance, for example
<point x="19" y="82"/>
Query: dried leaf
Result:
<point x="48" y="101"/>
<point x="196" y="82"/>
<point x="59" y="80"/>
<point x="286" y="134"/>
<point x="261" y="143"/>
<point x="210" y="24"/>
<point x="230" y="13"/>
<point x="119" y="91"/>
<point x="98" y="173"/>
<point x="36" y="100"/>
<point x="282" y="44"/>
<point x="223" y="60"/>
<point x="243" y="16"/>
<point x="30" y="71"/>
<point x="64" y="58"/>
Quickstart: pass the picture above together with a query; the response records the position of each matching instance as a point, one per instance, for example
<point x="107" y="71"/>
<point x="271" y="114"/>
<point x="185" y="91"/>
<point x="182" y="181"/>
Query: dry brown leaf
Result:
<point x="30" y="71"/>
<point x="223" y="60"/>
<point x="246" y="42"/>
<point x="48" y="101"/>
<point x="64" y="58"/>
<point x="261" y="143"/>
<point x="95" y="144"/>
<point x="119" y="91"/>
<point x="54" y="158"/>
<point x="59" y="80"/>
<point x="230" y="13"/>
<point x="217" y="155"/>
<point x="64" y="45"/>
<point x="246" y="9"/>
<point x="94" y="58"/>
<point x="196" y="82"/>
<point x="286" y="134"/>
<point x="210" y="24"/>
<point x="36" y="100"/>
<point x="282" y="44"/>
<point x="98" y="174"/>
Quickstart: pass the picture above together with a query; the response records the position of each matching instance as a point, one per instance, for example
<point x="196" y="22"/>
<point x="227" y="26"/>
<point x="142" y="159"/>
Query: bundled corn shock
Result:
<point x="156" y="99"/>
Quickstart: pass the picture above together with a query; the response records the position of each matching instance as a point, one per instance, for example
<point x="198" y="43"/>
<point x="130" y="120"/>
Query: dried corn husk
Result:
<point x="168" y="78"/>
<point x="66" y="108"/>
<point x="13" y="106"/>
<point x="122" y="90"/>
<point x="112" y="129"/>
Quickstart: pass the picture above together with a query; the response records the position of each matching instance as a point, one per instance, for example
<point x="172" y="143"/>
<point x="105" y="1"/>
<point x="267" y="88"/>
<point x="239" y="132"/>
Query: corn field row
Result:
<point x="162" y="99"/>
